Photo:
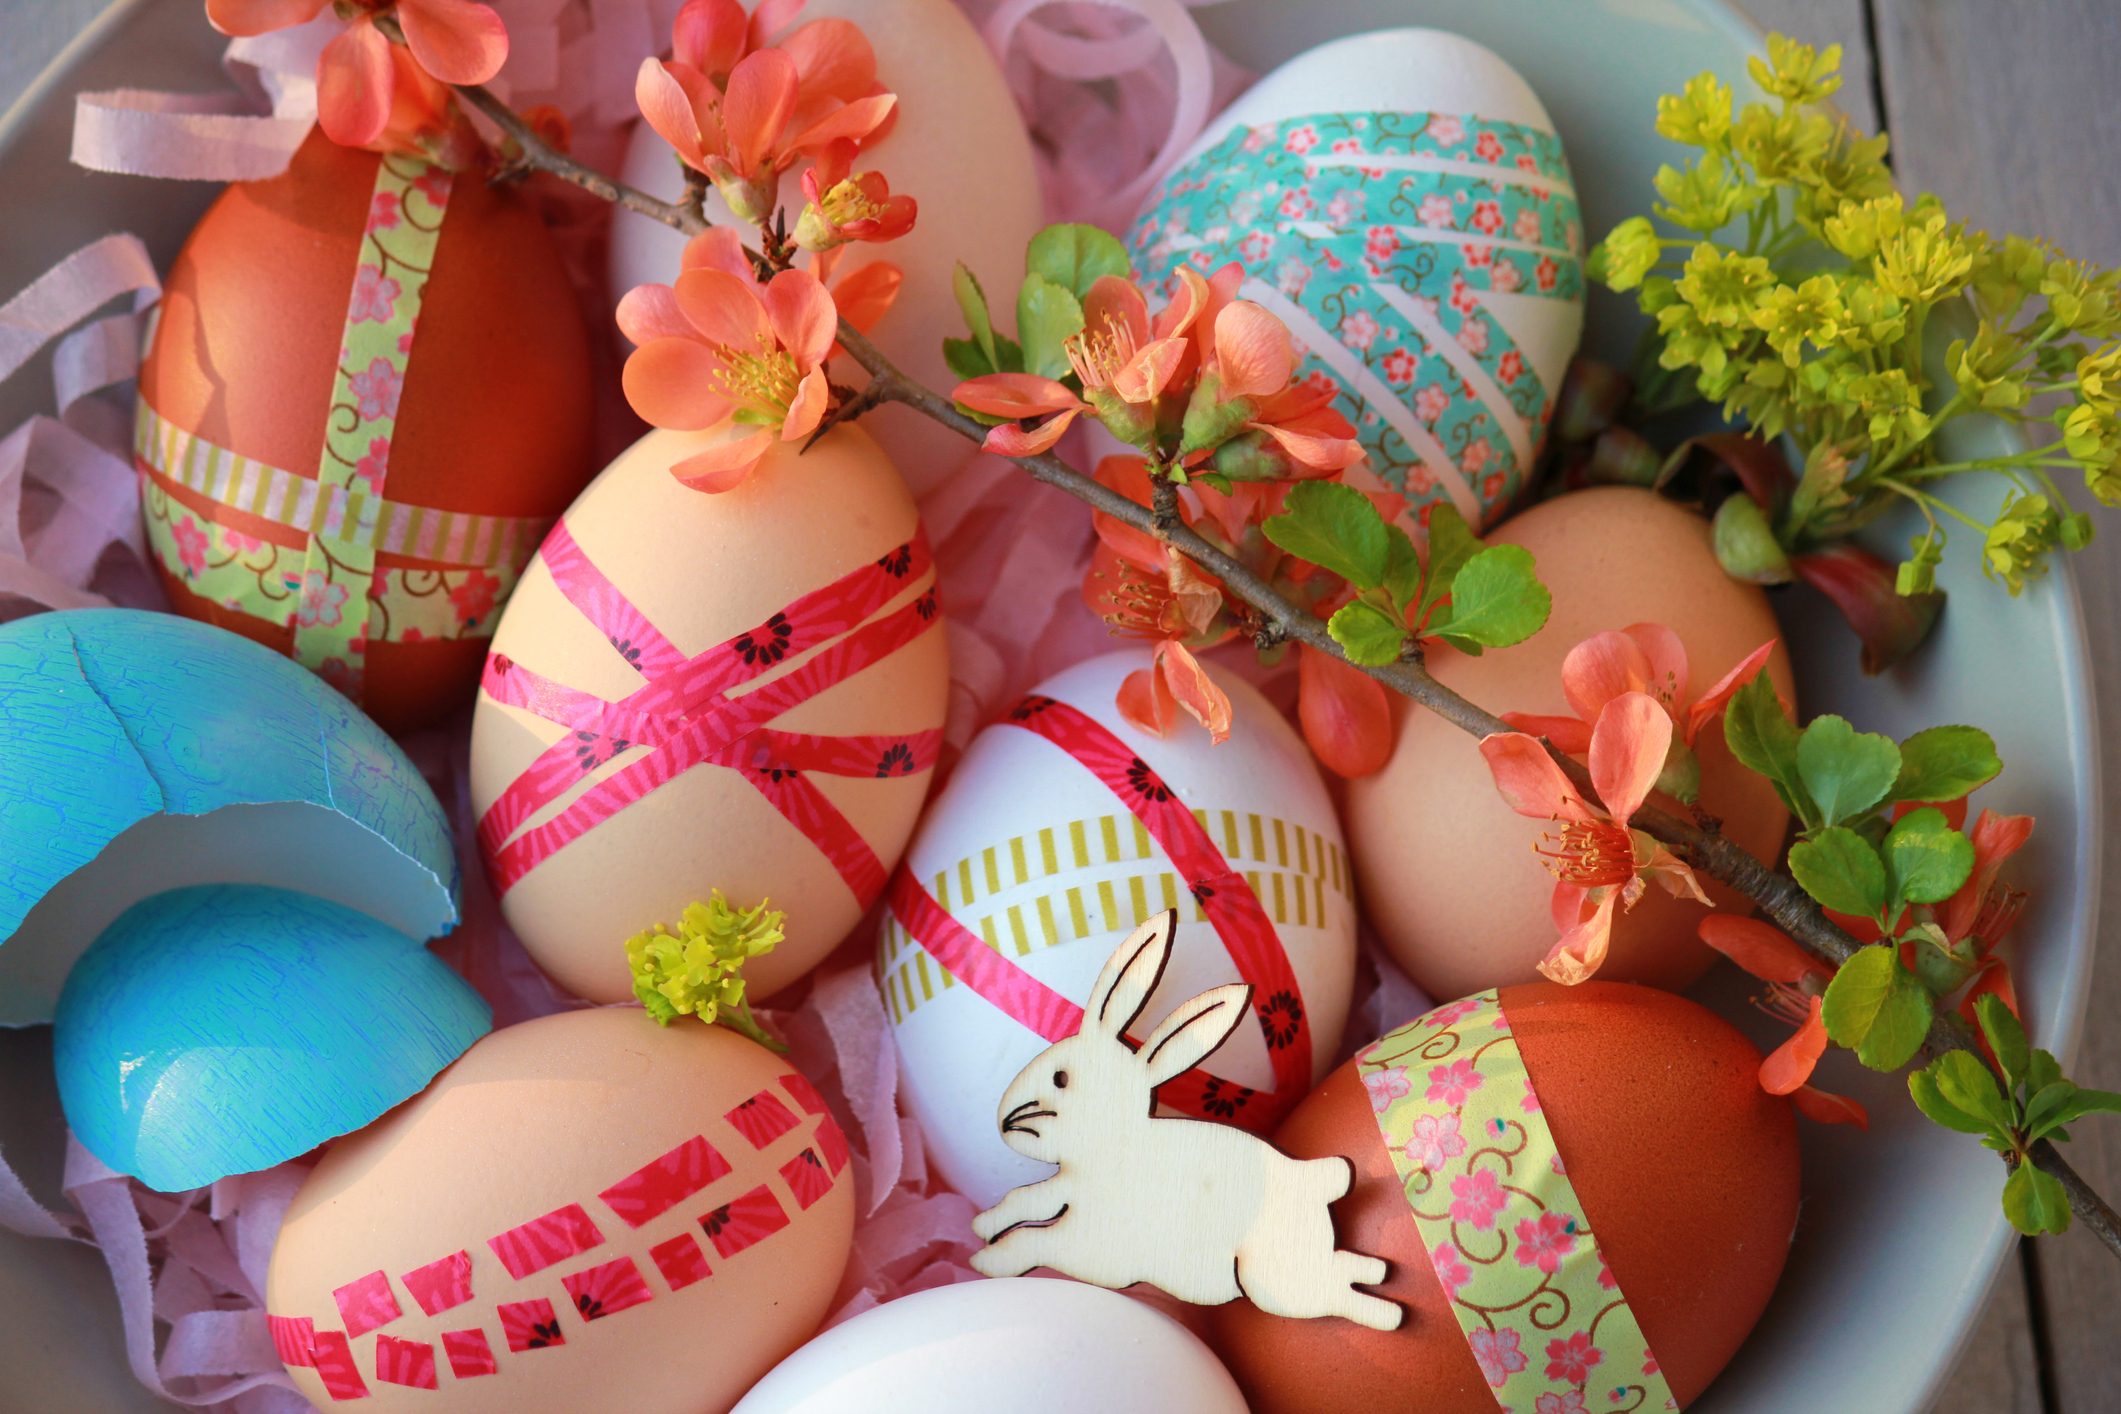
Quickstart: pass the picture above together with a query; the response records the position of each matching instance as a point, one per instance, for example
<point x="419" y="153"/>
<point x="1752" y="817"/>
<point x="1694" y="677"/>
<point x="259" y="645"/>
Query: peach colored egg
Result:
<point x="956" y="145"/>
<point x="492" y="406"/>
<point x="617" y="768"/>
<point x="585" y="1211"/>
<point x="1685" y="1170"/>
<point x="1447" y="871"/>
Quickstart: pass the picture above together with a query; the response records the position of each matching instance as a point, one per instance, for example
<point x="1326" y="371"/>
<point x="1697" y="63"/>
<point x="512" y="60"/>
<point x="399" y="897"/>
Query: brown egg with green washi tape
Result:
<point x="1585" y="1196"/>
<point x="367" y="396"/>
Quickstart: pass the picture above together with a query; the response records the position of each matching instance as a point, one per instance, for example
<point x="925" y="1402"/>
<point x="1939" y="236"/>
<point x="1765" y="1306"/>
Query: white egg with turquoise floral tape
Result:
<point x="1401" y="200"/>
<point x="1061" y="829"/>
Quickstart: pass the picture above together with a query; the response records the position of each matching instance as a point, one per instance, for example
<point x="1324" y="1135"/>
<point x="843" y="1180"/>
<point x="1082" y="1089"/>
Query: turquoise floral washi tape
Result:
<point x="1430" y="265"/>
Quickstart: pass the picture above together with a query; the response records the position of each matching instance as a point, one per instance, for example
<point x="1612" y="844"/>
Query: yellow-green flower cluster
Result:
<point x="1803" y="297"/>
<point x="698" y="970"/>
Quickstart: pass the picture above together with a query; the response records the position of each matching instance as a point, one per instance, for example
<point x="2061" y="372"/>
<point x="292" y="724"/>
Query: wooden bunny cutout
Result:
<point x="1206" y="1212"/>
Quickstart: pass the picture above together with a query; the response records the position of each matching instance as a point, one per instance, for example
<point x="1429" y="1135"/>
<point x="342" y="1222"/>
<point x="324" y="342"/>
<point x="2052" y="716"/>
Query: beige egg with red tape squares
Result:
<point x="954" y="143"/>
<point x="1061" y="829"/>
<point x="740" y="691"/>
<point x="553" y="1222"/>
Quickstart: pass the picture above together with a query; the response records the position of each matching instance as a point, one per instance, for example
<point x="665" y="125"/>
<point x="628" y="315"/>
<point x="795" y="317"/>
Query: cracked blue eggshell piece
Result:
<point x="141" y="752"/>
<point x="226" y="1028"/>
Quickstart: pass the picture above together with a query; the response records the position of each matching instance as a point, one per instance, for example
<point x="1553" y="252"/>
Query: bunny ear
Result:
<point x="1124" y="986"/>
<point x="1193" y="1030"/>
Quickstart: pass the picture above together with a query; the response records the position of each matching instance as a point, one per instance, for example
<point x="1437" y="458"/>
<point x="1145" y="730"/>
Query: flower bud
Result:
<point x="1745" y="543"/>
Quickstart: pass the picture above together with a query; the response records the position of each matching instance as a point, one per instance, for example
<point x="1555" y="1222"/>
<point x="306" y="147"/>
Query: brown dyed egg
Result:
<point x="1448" y="873"/>
<point x="1685" y="1170"/>
<point x="444" y="450"/>
<point x="585" y="1211"/>
<point x="741" y="691"/>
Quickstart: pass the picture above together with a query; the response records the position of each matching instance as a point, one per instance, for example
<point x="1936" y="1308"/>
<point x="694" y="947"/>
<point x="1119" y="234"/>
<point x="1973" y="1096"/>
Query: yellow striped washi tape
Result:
<point x="300" y="503"/>
<point x="1295" y="871"/>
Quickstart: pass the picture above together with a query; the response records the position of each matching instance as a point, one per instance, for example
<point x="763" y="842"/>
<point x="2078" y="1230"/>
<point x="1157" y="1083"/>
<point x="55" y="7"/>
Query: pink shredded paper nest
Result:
<point x="1113" y="90"/>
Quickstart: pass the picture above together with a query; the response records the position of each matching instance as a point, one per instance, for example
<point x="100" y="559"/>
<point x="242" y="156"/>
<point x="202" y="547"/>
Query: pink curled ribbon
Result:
<point x="1231" y="906"/>
<point x="685" y="715"/>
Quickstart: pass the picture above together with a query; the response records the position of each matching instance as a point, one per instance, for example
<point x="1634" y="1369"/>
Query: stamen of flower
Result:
<point x="2000" y="908"/>
<point x="765" y="382"/>
<point x="1785" y="1002"/>
<point x="847" y="202"/>
<point x="1141" y="606"/>
<point x="1590" y="853"/>
<point x="1098" y="355"/>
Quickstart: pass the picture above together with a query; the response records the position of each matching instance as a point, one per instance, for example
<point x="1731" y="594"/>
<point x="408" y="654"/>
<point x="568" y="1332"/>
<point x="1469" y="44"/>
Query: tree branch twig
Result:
<point x="1705" y="848"/>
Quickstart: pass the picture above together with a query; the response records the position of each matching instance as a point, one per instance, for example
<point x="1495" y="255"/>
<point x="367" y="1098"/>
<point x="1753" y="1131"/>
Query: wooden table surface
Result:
<point x="2006" y="109"/>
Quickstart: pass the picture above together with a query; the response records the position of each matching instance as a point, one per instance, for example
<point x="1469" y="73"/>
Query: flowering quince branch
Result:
<point x="1272" y="616"/>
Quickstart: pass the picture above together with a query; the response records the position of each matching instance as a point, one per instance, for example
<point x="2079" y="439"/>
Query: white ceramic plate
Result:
<point x="1902" y="1236"/>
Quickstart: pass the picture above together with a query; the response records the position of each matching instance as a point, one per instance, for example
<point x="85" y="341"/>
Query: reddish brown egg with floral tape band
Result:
<point x="367" y="395"/>
<point x="1451" y="876"/>
<point x="585" y="1211"/>
<point x="1584" y="1195"/>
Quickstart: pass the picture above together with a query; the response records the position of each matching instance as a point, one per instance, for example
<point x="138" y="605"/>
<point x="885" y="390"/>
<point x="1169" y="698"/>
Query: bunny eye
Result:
<point x="1060" y="1079"/>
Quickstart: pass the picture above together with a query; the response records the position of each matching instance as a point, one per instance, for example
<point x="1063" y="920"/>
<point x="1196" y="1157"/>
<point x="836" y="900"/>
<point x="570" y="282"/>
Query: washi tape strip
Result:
<point x="761" y="1119"/>
<point x="686" y="714"/>
<point x="535" y="1245"/>
<point x="602" y="1289"/>
<point x="470" y="1354"/>
<point x="441" y="1285"/>
<point x="1306" y="866"/>
<point x="743" y="1221"/>
<point x="1223" y="894"/>
<point x="1245" y="837"/>
<point x="405" y="1362"/>
<point x="183" y="460"/>
<point x="390" y="281"/>
<point x="655" y="1188"/>
<point x="366" y="1303"/>
<point x="410" y="596"/>
<point x="1383" y="240"/>
<point x="1500" y="1221"/>
<point x="606" y="1289"/>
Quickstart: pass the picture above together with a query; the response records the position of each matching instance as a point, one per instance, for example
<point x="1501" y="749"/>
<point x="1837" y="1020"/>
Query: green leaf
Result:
<point x="1837" y="868"/>
<point x="1945" y="763"/>
<point x="1846" y="771"/>
<point x="967" y="359"/>
<point x="1764" y="739"/>
<point x="1402" y="576"/>
<point x="1970" y="1087"/>
<point x="1496" y="599"/>
<point x="1927" y="858"/>
<point x="1922" y="1085"/>
<point x="1047" y="315"/>
<point x="1336" y="528"/>
<point x="972" y="303"/>
<point x="1075" y="256"/>
<point x="2034" y="1201"/>
<point x="1875" y="1007"/>
<point x="2006" y="1037"/>
<point x="1451" y="543"/>
<point x="1370" y="635"/>
<point x="2072" y="1103"/>
<point x="2044" y="1071"/>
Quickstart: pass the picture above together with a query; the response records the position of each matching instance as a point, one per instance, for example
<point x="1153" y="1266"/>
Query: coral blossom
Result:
<point x="1599" y="863"/>
<point x="721" y="351"/>
<point x="741" y="113"/>
<point x="371" y="93"/>
<point x="1796" y="987"/>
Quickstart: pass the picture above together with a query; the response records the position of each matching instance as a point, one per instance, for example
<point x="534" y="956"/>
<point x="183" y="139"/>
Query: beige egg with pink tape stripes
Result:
<point x="740" y="691"/>
<point x="585" y="1211"/>
<point x="1062" y="829"/>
